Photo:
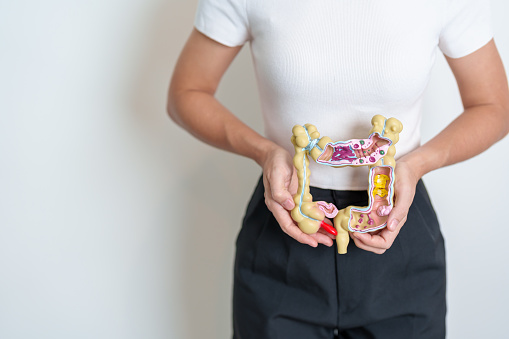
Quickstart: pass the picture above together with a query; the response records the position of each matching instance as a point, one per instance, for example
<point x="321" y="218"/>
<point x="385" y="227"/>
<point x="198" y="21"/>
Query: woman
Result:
<point x="335" y="63"/>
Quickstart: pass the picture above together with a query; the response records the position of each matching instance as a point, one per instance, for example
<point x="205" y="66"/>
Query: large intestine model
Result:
<point x="377" y="152"/>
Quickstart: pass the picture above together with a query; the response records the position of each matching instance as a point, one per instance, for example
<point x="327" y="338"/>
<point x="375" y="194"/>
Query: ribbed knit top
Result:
<point x="336" y="63"/>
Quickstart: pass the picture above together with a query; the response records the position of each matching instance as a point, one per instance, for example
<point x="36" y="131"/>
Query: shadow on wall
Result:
<point x="207" y="189"/>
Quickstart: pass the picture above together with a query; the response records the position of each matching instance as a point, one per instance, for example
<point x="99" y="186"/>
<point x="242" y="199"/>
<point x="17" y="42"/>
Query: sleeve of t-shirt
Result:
<point x="224" y="21"/>
<point x="467" y="27"/>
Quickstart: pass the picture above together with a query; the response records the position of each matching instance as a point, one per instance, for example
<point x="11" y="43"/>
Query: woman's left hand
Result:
<point x="404" y="191"/>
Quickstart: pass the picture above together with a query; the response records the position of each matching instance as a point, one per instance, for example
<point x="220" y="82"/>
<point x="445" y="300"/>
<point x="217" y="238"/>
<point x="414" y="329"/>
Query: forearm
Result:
<point x="202" y="115"/>
<point x="471" y="133"/>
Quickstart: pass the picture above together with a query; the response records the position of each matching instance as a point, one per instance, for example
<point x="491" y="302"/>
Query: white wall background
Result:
<point x="114" y="223"/>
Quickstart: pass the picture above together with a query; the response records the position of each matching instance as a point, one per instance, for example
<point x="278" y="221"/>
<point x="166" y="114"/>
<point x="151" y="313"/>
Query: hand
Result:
<point x="404" y="192"/>
<point x="281" y="183"/>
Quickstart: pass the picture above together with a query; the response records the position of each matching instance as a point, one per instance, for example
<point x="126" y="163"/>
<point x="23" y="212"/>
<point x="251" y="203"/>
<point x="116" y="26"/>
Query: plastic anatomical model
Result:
<point x="377" y="152"/>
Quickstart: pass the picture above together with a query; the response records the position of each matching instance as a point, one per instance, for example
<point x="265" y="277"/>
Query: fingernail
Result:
<point x="288" y="204"/>
<point x="393" y="225"/>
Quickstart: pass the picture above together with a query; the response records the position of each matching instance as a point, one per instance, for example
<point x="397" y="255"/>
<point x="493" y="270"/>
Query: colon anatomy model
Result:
<point x="377" y="152"/>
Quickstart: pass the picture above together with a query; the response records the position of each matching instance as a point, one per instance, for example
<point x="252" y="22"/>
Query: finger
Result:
<point x="365" y="247"/>
<point x="279" y="183"/>
<point x="404" y="198"/>
<point x="288" y="226"/>
<point x="266" y="195"/>
<point x="289" y="205"/>
<point x="322" y="231"/>
<point x="295" y="232"/>
<point x="266" y="185"/>
<point x="376" y="240"/>
<point x="322" y="239"/>
<point x="390" y="235"/>
<point x="294" y="183"/>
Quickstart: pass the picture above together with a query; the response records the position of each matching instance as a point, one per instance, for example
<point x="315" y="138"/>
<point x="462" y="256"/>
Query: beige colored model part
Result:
<point x="341" y="222"/>
<point x="391" y="128"/>
<point x="306" y="212"/>
<point x="305" y="140"/>
<point x="301" y="142"/>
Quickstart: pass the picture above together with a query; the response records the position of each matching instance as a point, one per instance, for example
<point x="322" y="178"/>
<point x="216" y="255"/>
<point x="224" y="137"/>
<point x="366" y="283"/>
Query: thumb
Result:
<point x="280" y="193"/>
<point x="399" y="213"/>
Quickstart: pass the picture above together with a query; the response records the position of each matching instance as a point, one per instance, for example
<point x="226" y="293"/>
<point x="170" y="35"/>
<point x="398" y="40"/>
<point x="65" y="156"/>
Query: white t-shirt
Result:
<point x="336" y="63"/>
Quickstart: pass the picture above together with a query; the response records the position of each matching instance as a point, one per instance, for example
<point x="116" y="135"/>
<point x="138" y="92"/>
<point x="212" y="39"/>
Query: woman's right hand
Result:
<point x="281" y="183"/>
<point x="191" y="104"/>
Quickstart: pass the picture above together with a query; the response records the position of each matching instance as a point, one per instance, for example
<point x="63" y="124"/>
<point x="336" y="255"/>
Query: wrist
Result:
<point x="415" y="163"/>
<point x="263" y="151"/>
<point x="422" y="161"/>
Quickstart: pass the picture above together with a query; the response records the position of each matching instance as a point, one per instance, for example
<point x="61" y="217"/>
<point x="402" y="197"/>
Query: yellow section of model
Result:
<point x="382" y="192"/>
<point x="381" y="180"/>
<point x="380" y="183"/>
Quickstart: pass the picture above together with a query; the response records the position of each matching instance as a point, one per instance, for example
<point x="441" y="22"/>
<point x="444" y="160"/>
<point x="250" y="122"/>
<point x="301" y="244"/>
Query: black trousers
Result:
<point x="284" y="289"/>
